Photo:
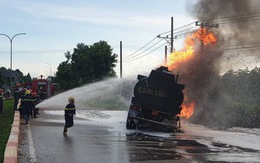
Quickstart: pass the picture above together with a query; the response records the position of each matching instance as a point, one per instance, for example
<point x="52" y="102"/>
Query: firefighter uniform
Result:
<point x="17" y="94"/>
<point x="70" y="111"/>
<point x="20" y="108"/>
<point x="35" y="102"/>
<point x="27" y="104"/>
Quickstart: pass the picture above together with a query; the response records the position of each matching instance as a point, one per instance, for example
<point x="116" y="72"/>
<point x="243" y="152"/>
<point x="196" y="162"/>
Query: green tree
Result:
<point x="64" y="74"/>
<point x="79" y="64"/>
<point x="2" y="78"/>
<point x="27" y="78"/>
<point x="17" y="77"/>
<point x="87" y="64"/>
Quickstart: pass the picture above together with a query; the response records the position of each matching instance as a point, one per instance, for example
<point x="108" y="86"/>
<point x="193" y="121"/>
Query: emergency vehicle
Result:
<point x="43" y="87"/>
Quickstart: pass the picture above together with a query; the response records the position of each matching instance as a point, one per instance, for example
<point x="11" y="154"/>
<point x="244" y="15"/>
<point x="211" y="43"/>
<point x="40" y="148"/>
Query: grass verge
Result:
<point x="6" y="121"/>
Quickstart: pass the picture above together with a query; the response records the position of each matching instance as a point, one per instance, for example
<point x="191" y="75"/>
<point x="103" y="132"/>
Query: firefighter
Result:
<point x="35" y="102"/>
<point x="7" y="94"/>
<point x="17" y="94"/>
<point x="1" y="101"/>
<point x="20" y="107"/>
<point x="27" y="104"/>
<point x="70" y="111"/>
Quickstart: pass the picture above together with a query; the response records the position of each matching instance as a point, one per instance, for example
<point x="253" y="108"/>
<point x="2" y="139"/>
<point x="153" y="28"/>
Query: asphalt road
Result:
<point x="89" y="141"/>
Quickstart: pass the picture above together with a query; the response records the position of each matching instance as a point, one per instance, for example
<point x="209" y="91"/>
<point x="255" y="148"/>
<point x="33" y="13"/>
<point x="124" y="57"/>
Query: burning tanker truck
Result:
<point x="157" y="101"/>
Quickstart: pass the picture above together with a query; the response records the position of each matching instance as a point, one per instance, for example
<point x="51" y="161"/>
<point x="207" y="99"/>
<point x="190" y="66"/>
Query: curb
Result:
<point x="11" y="148"/>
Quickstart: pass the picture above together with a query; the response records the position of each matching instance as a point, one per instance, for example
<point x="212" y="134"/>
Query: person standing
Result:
<point x="7" y="94"/>
<point x="1" y="101"/>
<point x="20" y="107"/>
<point x="17" y="94"/>
<point x="27" y="104"/>
<point x="35" y="102"/>
<point x="70" y="111"/>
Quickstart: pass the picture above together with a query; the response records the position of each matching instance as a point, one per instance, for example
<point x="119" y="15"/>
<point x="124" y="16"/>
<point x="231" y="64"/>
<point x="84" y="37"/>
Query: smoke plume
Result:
<point x="238" y="20"/>
<point x="237" y="30"/>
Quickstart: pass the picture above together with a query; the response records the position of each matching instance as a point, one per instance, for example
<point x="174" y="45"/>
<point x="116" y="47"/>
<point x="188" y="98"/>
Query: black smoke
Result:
<point x="238" y="23"/>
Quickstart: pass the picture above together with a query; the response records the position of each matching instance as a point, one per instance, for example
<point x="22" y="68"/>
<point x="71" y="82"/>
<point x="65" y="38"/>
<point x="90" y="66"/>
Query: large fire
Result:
<point x="187" y="52"/>
<point x="205" y="37"/>
<point x="187" y="109"/>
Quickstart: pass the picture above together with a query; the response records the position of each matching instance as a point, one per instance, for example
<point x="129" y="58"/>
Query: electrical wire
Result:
<point x="140" y="48"/>
<point x="136" y="55"/>
<point x="237" y="18"/>
<point x="37" y="51"/>
<point x="146" y="53"/>
<point x="180" y="33"/>
<point x="178" y="28"/>
<point x="243" y="47"/>
<point x="232" y="17"/>
<point x="246" y="17"/>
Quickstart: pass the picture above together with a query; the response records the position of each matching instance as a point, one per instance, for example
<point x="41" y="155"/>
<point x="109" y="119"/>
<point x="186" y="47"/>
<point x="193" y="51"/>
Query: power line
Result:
<point x="132" y="55"/>
<point x="245" y="17"/>
<point x="181" y="32"/>
<point x="38" y="51"/>
<point x="224" y="20"/>
<point x="146" y="53"/>
<point x="178" y="28"/>
<point x="257" y="46"/>
<point x="140" y="48"/>
<point x="233" y="17"/>
<point x="136" y="55"/>
<point x="238" y="20"/>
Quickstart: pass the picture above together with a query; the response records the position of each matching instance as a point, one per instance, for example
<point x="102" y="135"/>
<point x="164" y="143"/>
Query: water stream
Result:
<point x="110" y="94"/>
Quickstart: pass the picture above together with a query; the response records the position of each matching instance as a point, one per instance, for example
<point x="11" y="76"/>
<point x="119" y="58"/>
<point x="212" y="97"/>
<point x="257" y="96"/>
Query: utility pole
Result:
<point x="11" y="54"/>
<point x="208" y="26"/>
<point x="165" y="56"/>
<point x="171" y="34"/>
<point x="50" y="68"/>
<point x="170" y="39"/>
<point x="120" y="59"/>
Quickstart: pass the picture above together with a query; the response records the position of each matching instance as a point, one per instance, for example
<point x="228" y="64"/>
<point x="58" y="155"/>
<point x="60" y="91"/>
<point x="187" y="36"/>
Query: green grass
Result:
<point x="6" y="120"/>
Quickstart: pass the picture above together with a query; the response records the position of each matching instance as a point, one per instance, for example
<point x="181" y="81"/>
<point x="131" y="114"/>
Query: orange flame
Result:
<point x="187" y="110"/>
<point x="187" y="52"/>
<point x="204" y="36"/>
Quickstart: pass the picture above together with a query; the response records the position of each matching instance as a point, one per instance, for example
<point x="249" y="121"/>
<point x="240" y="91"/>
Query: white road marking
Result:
<point x="31" y="146"/>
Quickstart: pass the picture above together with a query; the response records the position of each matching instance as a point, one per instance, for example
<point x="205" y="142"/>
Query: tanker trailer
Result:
<point x="156" y="101"/>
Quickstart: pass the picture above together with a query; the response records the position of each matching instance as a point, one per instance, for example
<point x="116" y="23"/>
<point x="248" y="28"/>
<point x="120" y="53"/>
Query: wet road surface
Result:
<point x="88" y="141"/>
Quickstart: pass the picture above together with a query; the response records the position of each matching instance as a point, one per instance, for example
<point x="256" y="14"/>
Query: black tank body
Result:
<point x="159" y="91"/>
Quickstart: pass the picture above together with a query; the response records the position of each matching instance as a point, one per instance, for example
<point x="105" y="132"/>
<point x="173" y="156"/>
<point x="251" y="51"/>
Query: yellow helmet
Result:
<point x="27" y="92"/>
<point x="71" y="99"/>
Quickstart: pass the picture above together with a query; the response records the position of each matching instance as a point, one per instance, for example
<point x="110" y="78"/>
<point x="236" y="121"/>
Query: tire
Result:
<point x="128" y="126"/>
<point x="171" y="129"/>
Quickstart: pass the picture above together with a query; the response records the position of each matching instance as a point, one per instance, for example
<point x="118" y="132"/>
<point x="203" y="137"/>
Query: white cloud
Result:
<point x="54" y="25"/>
<point x="99" y="16"/>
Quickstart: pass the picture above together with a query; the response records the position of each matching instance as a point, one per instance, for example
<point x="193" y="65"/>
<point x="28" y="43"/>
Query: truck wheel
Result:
<point x="171" y="129"/>
<point x="137" y="126"/>
<point x="128" y="126"/>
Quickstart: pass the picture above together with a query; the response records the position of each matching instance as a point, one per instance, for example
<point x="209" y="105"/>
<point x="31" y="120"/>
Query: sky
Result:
<point x="52" y="28"/>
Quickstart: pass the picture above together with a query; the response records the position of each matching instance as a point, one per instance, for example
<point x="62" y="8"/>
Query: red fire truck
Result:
<point x="43" y="87"/>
